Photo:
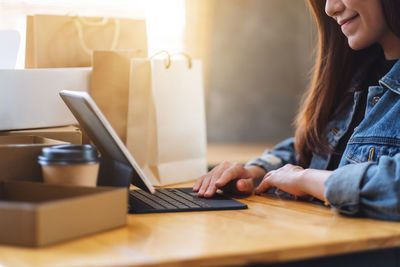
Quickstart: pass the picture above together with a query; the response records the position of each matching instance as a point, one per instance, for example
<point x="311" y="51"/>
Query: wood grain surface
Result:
<point x="271" y="230"/>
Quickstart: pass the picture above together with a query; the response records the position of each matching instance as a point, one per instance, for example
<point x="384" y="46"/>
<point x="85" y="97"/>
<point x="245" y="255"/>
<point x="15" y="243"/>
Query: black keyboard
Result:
<point x="178" y="199"/>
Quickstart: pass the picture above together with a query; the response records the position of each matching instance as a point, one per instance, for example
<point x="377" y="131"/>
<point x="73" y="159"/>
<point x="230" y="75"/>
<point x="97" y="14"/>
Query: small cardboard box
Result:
<point x="36" y="214"/>
<point x="19" y="156"/>
<point x="71" y="134"/>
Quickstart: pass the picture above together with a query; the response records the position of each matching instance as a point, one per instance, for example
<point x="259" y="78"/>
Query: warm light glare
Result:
<point x="165" y="25"/>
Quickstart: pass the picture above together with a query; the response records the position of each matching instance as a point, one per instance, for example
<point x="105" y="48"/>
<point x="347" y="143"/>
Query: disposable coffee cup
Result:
<point x="70" y="164"/>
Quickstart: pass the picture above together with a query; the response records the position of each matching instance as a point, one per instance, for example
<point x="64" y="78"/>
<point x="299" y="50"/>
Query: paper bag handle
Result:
<point x="169" y="56"/>
<point x="168" y="64"/>
<point x="189" y="58"/>
<point x="78" y="21"/>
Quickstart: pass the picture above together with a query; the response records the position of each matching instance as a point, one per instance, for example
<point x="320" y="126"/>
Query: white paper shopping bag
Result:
<point x="166" y="130"/>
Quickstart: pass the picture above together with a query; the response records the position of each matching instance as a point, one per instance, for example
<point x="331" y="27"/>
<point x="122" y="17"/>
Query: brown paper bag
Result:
<point x="166" y="120"/>
<point x="68" y="41"/>
<point x="110" y="86"/>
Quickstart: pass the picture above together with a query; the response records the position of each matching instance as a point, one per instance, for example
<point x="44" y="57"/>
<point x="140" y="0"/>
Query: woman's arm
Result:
<point x="370" y="189"/>
<point x="272" y="159"/>
<point x="234" y="177"/>
<point x="296" y="181"/>
<point x="313" y="182"/>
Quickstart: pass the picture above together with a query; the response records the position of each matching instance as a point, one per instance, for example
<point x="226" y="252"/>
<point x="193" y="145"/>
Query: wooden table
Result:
<point x="272" y="230"/>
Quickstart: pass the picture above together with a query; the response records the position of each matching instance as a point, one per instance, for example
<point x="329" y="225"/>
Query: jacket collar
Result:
<point x="392" y="79"/>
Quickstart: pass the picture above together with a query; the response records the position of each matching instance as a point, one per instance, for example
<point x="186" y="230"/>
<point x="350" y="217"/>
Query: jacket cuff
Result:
<point x="267" y="161"/>
<point x="343" y="187"/>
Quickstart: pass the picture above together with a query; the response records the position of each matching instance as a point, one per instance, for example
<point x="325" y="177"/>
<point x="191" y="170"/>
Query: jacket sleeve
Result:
<point x="281" y="154"/>
<point x="367" y="189"/>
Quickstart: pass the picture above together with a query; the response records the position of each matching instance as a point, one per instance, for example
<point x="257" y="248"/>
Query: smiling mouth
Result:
<point x="347" y="21"/>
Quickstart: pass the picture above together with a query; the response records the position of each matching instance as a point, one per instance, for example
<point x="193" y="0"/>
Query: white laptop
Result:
<point x="9" y="45"/>
<point x="119" y="168"/>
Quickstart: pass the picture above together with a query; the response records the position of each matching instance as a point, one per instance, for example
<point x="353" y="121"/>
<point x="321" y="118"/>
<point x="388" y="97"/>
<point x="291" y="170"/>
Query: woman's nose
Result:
<point x="334" y="7"/>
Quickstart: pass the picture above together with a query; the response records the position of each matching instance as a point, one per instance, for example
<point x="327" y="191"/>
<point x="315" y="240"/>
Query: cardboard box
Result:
<point x="36" y="214"/>
<point x="32" y="96"/>
<point x="71" y="134"/>
<point x="19" y="157"/>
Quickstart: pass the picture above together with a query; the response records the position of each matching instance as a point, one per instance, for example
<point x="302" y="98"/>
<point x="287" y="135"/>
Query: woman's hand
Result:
<point x="228" y="177"/>
<point x="287" y="178"/>
<point x="296" y="181"/>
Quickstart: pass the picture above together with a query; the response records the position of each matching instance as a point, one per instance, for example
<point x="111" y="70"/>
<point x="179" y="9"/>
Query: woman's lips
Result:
<point x="344" y="23"/>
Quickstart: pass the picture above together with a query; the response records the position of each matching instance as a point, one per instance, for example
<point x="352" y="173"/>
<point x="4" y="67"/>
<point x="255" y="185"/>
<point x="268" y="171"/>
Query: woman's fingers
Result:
<point x="264" y="185"/>
<point x="198" y="183"/>
<point x="220" y="177"/>
<point x="233" y="177"/>
<point x="239" y="187"/>
<point x="234" y="171"/>
<point x="245" y="186"/>
<point x="204" y="185"/>
<point x="203" y="178"/>
<point x="208" y="184"/>
<point x="287" y="179"/>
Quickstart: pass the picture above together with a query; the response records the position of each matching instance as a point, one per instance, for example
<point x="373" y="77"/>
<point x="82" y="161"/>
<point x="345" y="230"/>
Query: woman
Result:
<point x="347" y="148"/>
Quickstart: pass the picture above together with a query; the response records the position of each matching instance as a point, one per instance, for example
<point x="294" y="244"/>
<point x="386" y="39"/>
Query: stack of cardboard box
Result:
<point x="33" y="213"/>
<point x="32" y="116"/>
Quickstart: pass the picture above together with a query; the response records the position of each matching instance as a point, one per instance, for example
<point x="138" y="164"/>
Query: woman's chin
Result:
<point x="356" y="44"/>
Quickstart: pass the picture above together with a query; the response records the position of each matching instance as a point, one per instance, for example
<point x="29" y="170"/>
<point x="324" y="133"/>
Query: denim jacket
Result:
<point x="367" y="180"/>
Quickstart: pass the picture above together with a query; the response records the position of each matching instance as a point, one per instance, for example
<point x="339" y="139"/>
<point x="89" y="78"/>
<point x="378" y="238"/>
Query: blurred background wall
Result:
<point x="258" y="56"/>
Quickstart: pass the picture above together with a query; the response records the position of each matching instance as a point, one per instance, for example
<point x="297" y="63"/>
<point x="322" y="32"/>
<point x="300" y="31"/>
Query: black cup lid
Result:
<point x="69" y="154"/>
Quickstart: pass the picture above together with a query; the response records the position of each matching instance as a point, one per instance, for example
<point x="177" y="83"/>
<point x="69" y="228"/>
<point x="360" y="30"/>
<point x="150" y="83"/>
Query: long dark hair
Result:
<point x="335" y="66"/>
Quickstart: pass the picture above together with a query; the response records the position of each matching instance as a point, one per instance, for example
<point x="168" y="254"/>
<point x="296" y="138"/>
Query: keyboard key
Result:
<point x="185" y="201"/>
<point x="190" y="198"/>
<point x="170" y="199"/>
<point x="156" y="199"/>
<point x="146" y="200"/>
